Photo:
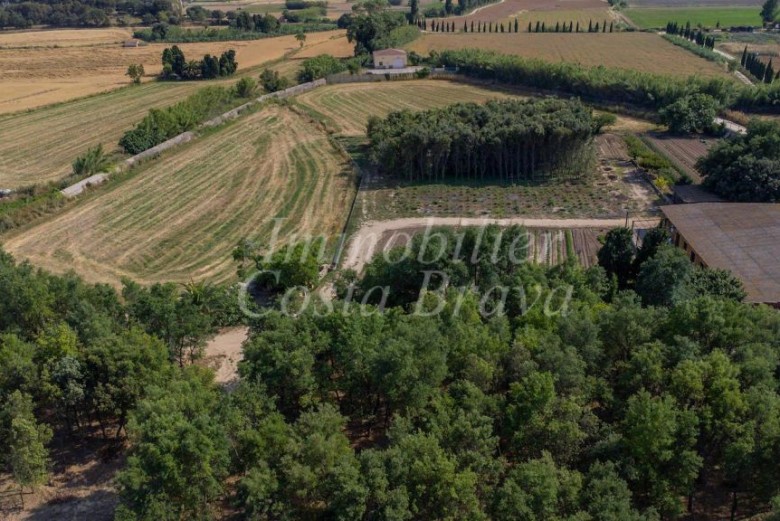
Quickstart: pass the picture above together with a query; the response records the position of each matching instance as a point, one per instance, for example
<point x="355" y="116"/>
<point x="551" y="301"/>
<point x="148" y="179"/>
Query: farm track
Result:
<point x="180" y="217"/>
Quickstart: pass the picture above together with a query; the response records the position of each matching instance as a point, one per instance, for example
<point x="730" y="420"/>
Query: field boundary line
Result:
<point x="78" y="188"/>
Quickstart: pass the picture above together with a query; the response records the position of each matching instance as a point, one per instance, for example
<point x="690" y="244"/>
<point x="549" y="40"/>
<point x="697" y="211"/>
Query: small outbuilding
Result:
<point x="132" y="43"/>
<point x="390" y="59"/>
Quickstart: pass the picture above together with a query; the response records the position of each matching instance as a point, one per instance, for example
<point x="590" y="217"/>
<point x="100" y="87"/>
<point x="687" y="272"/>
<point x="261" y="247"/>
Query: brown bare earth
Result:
<point x="682" y="151"/>
<point x="41" y="75"/>
<point x="179" y="217"/>
<point x="646" y="52"/>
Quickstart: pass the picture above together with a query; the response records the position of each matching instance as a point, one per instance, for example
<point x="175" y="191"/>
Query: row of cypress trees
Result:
<point x="693" y="35"/>
<point x="755" y="65"/>
<point x="507" y="140"/>
<point x="476" y="26"/>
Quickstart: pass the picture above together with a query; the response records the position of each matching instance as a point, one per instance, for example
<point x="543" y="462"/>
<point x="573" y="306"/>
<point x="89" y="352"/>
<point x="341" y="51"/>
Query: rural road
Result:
<point x="363" y="244"/>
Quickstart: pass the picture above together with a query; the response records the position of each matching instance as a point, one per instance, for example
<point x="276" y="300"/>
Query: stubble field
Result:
<point x="35" y="74"/>
<point x="347" y="107"/>
<point x="644" y="52"/>
<point x="179" y="217"/>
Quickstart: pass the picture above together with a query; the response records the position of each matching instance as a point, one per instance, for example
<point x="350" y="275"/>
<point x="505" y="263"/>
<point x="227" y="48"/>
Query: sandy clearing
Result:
<point x="42" y="75"/>
<point x="223" y="353"/>
<point x="363" y="244"/>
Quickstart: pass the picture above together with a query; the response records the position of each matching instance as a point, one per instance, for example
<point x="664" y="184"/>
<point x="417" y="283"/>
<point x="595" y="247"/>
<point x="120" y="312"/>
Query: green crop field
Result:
<point x="657" y="18"/>
<point x="178" y="218"/>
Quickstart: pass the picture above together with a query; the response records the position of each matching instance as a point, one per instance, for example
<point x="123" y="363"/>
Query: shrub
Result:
<point x="93" y="161"/>
<point x="245" y="87"/>
<point x="272" y="82"/>
<point x="319" y="67"/>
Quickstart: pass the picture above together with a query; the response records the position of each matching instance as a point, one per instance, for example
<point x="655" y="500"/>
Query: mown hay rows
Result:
<point x="39" y="146"/>
<point x="348" y="106"/>
<point x="180" y="217"/>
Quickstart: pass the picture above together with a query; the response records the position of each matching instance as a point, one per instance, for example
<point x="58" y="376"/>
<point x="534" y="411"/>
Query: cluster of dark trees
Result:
<point x="77" y="13"/>
<point x="504" y="140"/>
<point x="605" y="84"/>
<point x="255" y="22"/>
<point x="176" y="67"/>
<point x="693" y="35"/>
<point x="746" y="168"/>
<point x="439" y="26"/>
<point x="376" y="28"/>
<point x="763" y="71"/>
<point x="159" y="125"/>
<point x="449" y="8"/>
<point x="690" y="114"/>
<point x="570" y="27"/>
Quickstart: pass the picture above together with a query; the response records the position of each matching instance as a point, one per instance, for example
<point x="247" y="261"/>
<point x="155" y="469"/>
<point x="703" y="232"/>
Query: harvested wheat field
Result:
<point x="64" y="38"/>
<point x="179" y="217"/>
<point x="40" y="76"/>
<point x="645" y="52"/>
<point x="40" y="145"/>
<point x="505" y="9"/>
<point x="550" y="18"/>
<point x="347" y="107"/>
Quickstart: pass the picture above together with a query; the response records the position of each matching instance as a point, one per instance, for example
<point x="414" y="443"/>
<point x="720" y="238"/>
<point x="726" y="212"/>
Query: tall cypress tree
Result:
<point x="578" y="26"/>
<point x="744" y="57"/>
<point x="557" y="27"/>
<point x="538" y="26"/>
<point x="590" y="26"/>
<point x="517" y="26"/>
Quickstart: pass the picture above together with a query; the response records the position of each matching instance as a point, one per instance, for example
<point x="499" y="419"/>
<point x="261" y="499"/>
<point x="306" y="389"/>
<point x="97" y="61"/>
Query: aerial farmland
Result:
<point x="383" y="260"/>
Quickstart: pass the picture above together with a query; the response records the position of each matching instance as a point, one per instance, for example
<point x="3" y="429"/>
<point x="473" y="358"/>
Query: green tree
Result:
<point x="616" y="256"/>
<point x="93" y="161"/>
<point x="664" y="279"/>
<point x="136" y="72"/>
<point x="769" y="11"/>
<point x="300" y="38"/>
<point x="695" y="113"/>
<point x="179" y="454"/>
<point x="25" y="440"/>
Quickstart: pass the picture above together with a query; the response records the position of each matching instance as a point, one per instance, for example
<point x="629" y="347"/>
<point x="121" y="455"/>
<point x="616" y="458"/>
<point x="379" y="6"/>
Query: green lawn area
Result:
<point x="656" y="17"/>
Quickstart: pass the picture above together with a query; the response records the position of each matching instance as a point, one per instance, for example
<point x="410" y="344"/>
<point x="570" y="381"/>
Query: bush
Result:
<point x="309" y="14"/>
<point x="303" y="4"/>
<point x="272" y="82"/>
<point x="162" y="124"/>
<point x="245" y="87"/>
<point x="320" y="67"/>
<point x="93" y="161"/>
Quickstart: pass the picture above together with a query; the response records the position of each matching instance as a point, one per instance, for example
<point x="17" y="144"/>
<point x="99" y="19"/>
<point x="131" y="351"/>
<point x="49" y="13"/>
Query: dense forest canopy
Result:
<point x="746" y="168"/>
<point x="506" y="140"/>
<point x="77" y="13"/>
<point x="568" y="396"/>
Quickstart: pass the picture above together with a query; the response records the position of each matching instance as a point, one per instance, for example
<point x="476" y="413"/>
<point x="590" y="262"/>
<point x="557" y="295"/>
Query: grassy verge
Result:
<point x="657" y="17"/>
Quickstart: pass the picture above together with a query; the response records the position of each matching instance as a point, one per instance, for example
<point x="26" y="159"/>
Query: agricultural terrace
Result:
<point x="682" y="151"/>
<point x="35" y="75"/>
<point x="645" y="52"/>
<point x="347" y="107"/>
<point x="656" y="18"/>
<point x="179" y="218"/>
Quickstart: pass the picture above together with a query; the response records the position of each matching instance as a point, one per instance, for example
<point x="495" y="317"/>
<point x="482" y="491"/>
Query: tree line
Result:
<point x="176" y="66"/>
<point x="745" y="168"/>
<point x="763" y="71"/>
<point x="693" y="35"/>
<point x="78" y="13"/>
<point x="605" y="84"/>
<point x="506" y="140"/>
<point x="476" y="26"/>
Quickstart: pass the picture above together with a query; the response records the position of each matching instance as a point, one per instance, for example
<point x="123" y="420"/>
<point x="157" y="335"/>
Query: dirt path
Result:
<point x="363" y="244"/>
<point x="223" y="353"/>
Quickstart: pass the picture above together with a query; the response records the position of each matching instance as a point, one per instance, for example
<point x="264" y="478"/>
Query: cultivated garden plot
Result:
<point x="683" y="152"/>
<point x="644" y="52"/>
<point x="613" y="189"/>
<point x="180" y="217"/>
<point x="548" y="247"/>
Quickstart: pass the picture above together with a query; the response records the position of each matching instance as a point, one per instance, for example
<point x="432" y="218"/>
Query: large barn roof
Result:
<point x="743" y="238"/>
